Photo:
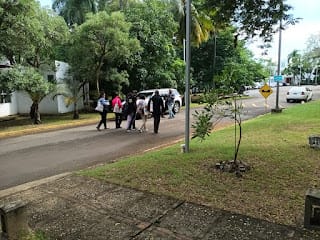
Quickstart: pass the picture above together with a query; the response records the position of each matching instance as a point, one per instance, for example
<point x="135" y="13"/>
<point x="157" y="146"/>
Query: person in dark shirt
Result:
<point x="130" y="111"/>
<point x="157" y="110"/>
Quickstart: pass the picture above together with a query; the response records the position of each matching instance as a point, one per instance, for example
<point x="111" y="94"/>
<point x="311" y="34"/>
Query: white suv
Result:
<point x="164" y="92"/>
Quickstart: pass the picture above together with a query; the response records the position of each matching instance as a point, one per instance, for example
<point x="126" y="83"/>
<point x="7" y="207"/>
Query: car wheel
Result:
<point x="176" y="107"/>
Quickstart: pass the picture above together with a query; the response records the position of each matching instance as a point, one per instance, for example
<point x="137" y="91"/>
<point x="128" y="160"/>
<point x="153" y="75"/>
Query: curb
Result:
<point x="26" y="186"/>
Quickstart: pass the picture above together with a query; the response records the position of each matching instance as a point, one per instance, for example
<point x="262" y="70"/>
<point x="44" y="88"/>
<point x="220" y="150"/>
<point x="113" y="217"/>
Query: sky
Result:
<point x="294" y="37"/>
<point x="45" y="3"/>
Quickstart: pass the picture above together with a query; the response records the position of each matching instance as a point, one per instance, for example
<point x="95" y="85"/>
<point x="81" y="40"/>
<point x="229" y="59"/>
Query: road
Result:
<point x="32" y="157"/>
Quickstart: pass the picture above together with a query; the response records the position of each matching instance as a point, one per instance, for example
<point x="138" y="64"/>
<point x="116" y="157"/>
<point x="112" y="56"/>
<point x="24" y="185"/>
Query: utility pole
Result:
<point x="277" y="109"/>
<point x="187" y="77"/>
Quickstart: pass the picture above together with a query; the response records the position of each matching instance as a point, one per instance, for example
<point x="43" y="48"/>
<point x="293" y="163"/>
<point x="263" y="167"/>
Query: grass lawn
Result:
<point x="20" y="125"/>
<point x="275" y="146"/>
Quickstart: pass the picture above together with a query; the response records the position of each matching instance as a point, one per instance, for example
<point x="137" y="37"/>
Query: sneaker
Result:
<point x="98" y="129"/>
<point x="140" y="130"/>
<point x="128" y="130"/>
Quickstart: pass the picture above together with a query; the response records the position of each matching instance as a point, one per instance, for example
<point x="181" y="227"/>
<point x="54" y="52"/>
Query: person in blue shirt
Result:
<point x="105" y="103"/>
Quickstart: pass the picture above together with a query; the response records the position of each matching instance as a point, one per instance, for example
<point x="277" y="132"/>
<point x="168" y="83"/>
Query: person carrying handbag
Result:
<point x="105" y="103"/>
<point x="117" y="109"/>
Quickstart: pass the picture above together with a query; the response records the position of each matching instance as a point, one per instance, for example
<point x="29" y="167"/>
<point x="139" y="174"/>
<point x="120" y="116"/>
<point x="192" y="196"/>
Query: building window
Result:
<point x="51" y="78"/>
<point x="5" y="97"/>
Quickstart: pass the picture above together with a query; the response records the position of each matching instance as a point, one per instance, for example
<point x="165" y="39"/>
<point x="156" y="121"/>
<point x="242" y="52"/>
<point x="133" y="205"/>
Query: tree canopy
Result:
<point x="100" y="45"/>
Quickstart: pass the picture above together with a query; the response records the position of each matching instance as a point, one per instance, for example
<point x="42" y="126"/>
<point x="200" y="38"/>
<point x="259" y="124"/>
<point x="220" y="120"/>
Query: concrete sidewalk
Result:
<point x="73" y="207"/>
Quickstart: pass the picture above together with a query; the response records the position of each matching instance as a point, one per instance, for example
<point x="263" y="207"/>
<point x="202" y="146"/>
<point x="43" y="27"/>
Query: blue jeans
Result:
<point x="170" y="109"/>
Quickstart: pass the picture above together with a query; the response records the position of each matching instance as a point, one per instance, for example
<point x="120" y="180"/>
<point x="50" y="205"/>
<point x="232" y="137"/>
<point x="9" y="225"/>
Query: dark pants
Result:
<point x="156" y="122"/>
<point x="103" y="119"/>
<point x="118" y="119"/>
<point x="132" y="124"/>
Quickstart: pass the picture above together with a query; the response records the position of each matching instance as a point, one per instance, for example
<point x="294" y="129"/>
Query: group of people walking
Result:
<point x="133" y="107"/>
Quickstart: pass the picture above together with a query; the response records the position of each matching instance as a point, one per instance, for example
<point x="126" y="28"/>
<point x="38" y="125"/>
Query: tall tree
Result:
<point x="157" y="64"/>
<point x="100" y="45"/>
<point x="74" y="11"/>
<point x="294" y="66"/>
<point x="251" y="17"/>
<point x="18" y="24"/>
<point x="38" y="29"/>
<point x="201" y="24"/>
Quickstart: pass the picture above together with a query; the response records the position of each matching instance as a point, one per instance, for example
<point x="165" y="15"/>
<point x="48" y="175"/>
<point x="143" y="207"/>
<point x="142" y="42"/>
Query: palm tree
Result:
<point x="201" y="24"/>
<point x="294" y="63"/>
<point x="70" y="89"/>
<point x="74" y="11"/>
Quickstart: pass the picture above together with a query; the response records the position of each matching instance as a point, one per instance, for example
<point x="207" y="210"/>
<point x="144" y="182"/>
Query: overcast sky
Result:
<point x="294" y="37"/>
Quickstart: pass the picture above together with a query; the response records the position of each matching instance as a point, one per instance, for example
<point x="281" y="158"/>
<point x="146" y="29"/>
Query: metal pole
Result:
<point x="214" y="59"/>
<point x="300" y="76"/>
<point x="278" y="68"/>
<point x="187" y="76"/>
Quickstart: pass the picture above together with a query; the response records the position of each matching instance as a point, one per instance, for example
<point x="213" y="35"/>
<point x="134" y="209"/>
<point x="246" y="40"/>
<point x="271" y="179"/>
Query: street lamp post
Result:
<point x="300" y="75"/>
<point x="187" y="77"/>
<point x="277" y="109"/>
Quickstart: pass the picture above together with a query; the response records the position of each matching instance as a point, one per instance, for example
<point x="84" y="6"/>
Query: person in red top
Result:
<point x="117" y="109"/>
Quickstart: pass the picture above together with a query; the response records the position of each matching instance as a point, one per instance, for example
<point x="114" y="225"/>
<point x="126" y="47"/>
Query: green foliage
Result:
<point x="38" y="235"/>
<point x="253" y="18"/>
<point x="31" y="81"/>
<point x="17" y="21"/>
<point x="28" y="79"/>
<point x="74" y="11"/>
<point x="105" y="42"/>
<point x="71" y="90"/>
<point x="38" y="29"/>
<point x="203" y="125"/>
<point x="211" y="114"/>
<point x="201" y="24"/>
<point x="218" y="57"/>
<point x="157" y="65"/>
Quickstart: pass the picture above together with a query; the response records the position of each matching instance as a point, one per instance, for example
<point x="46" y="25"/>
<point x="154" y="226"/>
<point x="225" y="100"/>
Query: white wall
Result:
<point x="21" y="102"/>
<point x="11" y="108"/>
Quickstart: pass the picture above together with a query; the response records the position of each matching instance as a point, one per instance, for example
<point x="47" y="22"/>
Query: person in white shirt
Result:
<point x="142" y="110"/>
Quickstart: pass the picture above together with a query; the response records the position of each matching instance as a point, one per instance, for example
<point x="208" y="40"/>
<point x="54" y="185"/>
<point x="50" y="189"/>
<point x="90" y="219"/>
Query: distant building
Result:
<point x="19" y="102"/>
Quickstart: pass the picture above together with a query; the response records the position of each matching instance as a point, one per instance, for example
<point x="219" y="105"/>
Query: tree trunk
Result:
<point x="75" y="111"/>
<point x="34" y="113"/>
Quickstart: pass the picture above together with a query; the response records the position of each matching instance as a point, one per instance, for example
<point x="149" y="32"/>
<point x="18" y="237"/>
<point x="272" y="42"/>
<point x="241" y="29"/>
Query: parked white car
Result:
<point x="164" y="92"/>
<point x="300" y="93"/>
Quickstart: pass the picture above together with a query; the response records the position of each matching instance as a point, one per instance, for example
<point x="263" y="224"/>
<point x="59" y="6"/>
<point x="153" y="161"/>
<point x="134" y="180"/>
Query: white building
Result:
<point x="19" y="102"/>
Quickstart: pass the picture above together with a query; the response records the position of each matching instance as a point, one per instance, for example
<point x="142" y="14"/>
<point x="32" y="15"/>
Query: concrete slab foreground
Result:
<point x="75" y="207"/>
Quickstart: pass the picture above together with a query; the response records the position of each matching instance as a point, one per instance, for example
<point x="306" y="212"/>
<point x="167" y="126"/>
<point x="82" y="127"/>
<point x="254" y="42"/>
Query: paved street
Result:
<point x="36" y="156"/>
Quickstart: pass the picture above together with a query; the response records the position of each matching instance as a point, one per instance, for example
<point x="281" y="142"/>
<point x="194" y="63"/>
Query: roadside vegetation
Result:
<point x="18" y="125"/>
<point x="276" y="147"/>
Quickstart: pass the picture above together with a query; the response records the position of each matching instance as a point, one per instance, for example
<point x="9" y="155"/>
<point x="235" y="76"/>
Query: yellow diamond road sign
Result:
<point x="265" y="91"/>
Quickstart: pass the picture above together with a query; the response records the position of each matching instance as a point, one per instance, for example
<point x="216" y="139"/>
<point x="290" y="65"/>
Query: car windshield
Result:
<point x="297" y="89"/>
<point x="146" y="94"/>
